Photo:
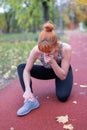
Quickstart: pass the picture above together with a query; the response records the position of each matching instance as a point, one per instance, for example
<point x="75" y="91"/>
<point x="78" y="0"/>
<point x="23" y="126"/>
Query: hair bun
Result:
<point x="48" y="27"/>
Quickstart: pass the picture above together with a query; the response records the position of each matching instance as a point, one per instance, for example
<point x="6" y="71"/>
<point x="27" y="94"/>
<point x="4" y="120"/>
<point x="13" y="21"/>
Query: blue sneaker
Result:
<point x="27" y="107"/>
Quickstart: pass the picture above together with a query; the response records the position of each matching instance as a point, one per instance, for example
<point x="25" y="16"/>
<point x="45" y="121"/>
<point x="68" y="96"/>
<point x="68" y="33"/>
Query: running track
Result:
<point x="44" y="118"/>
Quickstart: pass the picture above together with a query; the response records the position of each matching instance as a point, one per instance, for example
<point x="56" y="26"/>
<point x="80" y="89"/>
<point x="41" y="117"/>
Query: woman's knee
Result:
<point x="62" y="98"/>
<point x="20" y="67"/>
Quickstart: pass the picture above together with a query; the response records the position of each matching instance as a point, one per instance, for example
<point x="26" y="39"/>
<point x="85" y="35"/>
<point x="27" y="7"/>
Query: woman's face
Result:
<point x="47" y="49"/>
<point x="52" y="52"/>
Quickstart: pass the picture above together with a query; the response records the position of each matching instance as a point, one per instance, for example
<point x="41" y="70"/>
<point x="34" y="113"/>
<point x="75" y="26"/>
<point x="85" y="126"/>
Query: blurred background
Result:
<point x="22" y="20"/>
<point x="29" y="15"/>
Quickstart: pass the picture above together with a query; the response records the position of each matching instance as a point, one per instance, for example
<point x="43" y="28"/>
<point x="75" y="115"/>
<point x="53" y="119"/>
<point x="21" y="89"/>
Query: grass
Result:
<point x="17" y="37"/>
<point x="14" y="49"/>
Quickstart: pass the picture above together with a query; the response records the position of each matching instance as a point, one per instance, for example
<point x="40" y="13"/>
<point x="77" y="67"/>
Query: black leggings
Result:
<point x="63" y="87"/>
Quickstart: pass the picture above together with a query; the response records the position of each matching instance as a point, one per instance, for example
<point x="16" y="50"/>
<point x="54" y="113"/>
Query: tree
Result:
<point x="10" y="20"/>
<point x="2" y="23"/>
<point x="45" y="6"/>
<point x="9" y="17"/>
<point x="31" y="14"/>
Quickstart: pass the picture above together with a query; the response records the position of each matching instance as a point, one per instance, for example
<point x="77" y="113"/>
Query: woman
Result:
<point x="55" y="57"/>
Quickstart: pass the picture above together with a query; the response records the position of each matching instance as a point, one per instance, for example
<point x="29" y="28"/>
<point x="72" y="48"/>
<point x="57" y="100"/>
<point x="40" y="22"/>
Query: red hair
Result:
<point x="48" y="38"/>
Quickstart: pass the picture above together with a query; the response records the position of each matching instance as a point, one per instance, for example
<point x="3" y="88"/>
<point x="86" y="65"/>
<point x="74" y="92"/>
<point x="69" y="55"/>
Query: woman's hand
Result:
<point x="28" y="96"/>
<point x="48" y="58"/>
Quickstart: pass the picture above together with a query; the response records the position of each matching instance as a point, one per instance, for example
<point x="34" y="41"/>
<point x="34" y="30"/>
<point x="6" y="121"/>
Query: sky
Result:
<point x="1" y="10"/>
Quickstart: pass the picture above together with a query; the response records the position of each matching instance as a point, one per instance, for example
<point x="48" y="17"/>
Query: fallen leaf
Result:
<point x="13" y="67"/>
<point x="76" y="70"/>
<point x="12" y="128"/>
<point x="47" y="97"/>
<point x="62" y="119"/>
<point x="6" y="75"/>
<point x="68" y="127"/>
<point x="75" y="102"/>
<point x="83" y="86"/>
<point x="82" y="93"/>
<point x="73" y="52"/>
<point x="75" y="84"/>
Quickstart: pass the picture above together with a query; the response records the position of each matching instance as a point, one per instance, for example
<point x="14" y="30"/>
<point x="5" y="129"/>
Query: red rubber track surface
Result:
<point x="44" y="118"/>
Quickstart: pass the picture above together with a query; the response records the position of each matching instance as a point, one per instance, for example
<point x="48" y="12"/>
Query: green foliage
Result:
<point x="18" y="37"/>
<point x="28" y="15"/>
<point x="2" y="22"/>
<point x="85" y="24"/>
<point x="27" y="12"/>
<point x="12" y="54"/>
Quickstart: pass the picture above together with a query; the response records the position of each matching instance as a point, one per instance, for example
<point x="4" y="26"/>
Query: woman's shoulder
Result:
<point x="35" y="52"/>
<point x="35" y="49"/>
<point x="65" y="46"/>
<point x="66" y="49"/>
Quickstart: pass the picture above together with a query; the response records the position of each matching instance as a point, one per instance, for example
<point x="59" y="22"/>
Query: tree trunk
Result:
<point x="45" y="11"/>
<point x="7" y="23"/>
<point x="34" y="26"/>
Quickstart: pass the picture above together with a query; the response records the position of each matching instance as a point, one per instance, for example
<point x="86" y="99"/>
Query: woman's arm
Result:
<point x="26" y="74"/>
<point x="62" y="71"/>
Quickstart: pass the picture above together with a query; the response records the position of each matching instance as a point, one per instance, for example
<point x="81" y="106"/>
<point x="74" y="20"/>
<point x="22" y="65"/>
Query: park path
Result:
<point x="44" y="118"/>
